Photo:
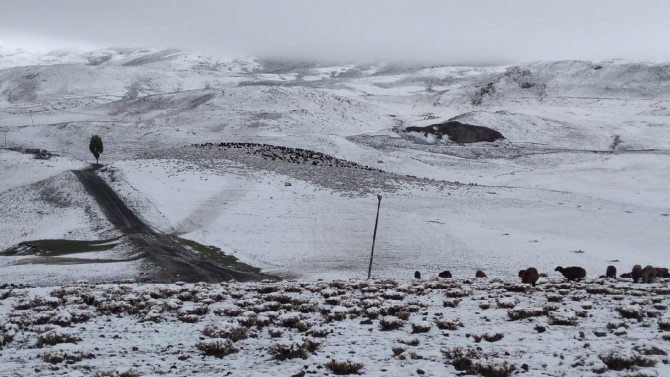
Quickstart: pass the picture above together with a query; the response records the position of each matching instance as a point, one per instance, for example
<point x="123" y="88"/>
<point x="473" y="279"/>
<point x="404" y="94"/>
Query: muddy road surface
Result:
<point x="176" y="262"/>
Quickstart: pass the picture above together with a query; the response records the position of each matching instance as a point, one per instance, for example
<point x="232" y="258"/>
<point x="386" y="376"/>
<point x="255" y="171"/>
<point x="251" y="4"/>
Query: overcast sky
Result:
<point x="428" y="31"/>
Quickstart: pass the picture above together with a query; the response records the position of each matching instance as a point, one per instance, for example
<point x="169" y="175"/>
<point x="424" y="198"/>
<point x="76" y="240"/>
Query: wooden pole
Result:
<point x="374" y="236"/>
<point x="31" y="118"/>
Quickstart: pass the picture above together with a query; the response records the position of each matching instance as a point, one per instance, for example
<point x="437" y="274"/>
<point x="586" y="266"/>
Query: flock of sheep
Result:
<point x="530" y="275"/>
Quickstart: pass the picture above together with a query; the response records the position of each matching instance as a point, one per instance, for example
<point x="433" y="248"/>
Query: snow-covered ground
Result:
<point x="382" y="328"/>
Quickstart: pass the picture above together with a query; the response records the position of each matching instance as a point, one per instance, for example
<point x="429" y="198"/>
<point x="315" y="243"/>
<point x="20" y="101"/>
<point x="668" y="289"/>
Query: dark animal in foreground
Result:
<point x="627" y="275"/>
<point x="611" y="272"/>
<point x="480" y="274"/>
<point x="529" y="276"/>
<point x="572" y="273"/>
<point x="636" y="274"/>
<point x="649" y="274"/>
<point x="662" y="273"/>
<point x="445" y="275"/>
<point x="417" y="275"/>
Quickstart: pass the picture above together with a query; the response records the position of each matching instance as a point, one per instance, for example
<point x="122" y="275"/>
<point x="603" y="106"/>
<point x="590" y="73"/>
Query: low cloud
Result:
<point x="345" y="30"/>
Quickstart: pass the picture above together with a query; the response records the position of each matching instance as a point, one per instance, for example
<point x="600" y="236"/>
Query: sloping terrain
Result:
<point x="579" y="178"/>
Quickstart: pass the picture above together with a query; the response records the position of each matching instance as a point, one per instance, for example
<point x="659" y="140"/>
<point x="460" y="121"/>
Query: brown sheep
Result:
<point x="445" y="275"/>
<point x="572" y="273"/>
<point x="611" y="272"/>
<point x="662" y="272"/>
<point x="417" y="275"/>
<point x="529" y="276"/>
<point x="480" y="274"/>
<point x="649" y="274"/>
<point x="636" y="274"/>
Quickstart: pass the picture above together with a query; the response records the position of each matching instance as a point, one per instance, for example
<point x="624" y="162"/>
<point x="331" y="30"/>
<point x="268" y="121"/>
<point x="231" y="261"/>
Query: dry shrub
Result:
<point x="447" y="325"/>
<point x="562" y="320"/>
<point x="415" y="356"/>
<point x="420" y="327"/>
<point x="342" y="368"/>
<point x="493" y="337"/>
<point x="398" y="350"/>
<point x="615" y="361"/>
<point x="372" y="312"/>
<point x="188" y="318"/>
<point x="4" y="294"/>
<point x="518" y="314"/>
<point x="451" y="303"/>
<point x="57" y="336"/>
<point x="228" y="331"/>
<point x="409" y="342"/>
<point x="494" y="370"/>
<point x="284" y="351"/>
<point x="457" y="293"/>
<point x="126" y="373"/>
<point x="631" y="312"/>
<point x="404" y="315"/>
<point x="390" y="323"/>
<point x="666" y="337"/>
<point x="616" y="325"/>
<point x="520" y="288"/>
<point x="68" y="356"/>
<point x="275" y="333"/>
<point x="549" y="308"/>
<point x="248" y="321"/>
<point x="217" y="347"/>
<point x="319" y="332"/>
<point x="540" y="328"/>
<point x="660" y="307"/>
<point x="664" y="325"/>
<point x="484" y="305"/>
<point x="302" y="326"/>
<point x="601" y="291"/>
<point x="582" y="313"/>
<point x="460" y="359"/>
<point x="506" y="304"/>
<point x="289" y="320"/>
<point x="335" y="316"/>
<point x="229" y="311"/>
<point x="650" y="351"/>
<point x="554" y="298"/>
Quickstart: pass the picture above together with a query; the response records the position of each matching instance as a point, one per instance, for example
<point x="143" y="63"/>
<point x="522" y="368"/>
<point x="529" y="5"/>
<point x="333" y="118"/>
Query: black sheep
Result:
<point x="611" y="272"/>
<point x="636" y="274"/>
<point x="572" y="273"/>
<point x="445" y="275"/>
<point x="417" y="275"/>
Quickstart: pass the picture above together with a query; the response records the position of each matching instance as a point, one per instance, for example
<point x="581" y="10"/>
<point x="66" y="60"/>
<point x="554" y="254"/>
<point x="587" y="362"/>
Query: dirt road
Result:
<point x="176" y="262"/>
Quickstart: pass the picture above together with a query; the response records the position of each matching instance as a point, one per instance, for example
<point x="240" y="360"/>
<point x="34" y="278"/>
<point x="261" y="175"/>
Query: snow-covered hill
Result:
<point x="583" y="168"/>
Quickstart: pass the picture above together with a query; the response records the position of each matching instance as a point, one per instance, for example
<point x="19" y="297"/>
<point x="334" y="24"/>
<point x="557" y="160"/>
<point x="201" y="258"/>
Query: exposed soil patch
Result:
<point x="459" y="132"/>
<point x="60" y="247"/>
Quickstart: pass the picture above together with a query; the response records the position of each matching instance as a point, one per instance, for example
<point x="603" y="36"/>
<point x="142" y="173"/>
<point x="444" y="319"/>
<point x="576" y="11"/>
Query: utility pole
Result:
<point x="374" y="235"/>
<point x="5" y="131"/>
<point x="31" y="118"/>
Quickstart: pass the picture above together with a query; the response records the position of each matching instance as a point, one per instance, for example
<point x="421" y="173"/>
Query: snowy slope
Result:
<point x="584" y="166"/>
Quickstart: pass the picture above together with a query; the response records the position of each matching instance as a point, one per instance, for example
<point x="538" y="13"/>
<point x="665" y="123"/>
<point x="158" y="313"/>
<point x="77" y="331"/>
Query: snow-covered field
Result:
<point x="376" y="328"/>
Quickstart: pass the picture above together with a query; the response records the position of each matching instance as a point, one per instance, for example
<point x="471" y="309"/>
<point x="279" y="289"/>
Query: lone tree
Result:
<point x="95" y="146"/>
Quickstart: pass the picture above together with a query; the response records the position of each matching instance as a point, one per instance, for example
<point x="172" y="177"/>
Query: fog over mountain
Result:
<point x="465" y="32"/>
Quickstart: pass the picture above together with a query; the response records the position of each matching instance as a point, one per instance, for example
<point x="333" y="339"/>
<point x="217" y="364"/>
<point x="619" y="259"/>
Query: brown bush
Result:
<point x="615" y="361"/>
<point x="342" y="368"/>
